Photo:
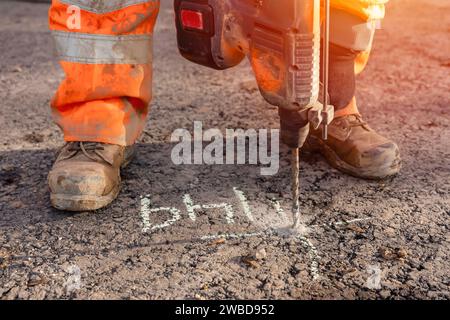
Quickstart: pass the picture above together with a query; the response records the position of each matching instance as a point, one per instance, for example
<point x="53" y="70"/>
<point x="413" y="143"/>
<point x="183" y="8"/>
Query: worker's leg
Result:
<point x="353" y="25"/>
<point x="352" y="146"/>
<point x="105" y="50"/>
<point x="349" y="17"/>
<point x="352" y="30"/>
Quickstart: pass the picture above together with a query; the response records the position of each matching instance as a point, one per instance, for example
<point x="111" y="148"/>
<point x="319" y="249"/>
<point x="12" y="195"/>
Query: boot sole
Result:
<point x="78" y="203"/>
<point x="315" y="144"/>
<point x="83" y="203"/>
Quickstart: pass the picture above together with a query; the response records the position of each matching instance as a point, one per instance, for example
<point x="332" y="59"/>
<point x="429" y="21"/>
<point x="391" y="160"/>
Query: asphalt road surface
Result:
<point x="363" y="239"/>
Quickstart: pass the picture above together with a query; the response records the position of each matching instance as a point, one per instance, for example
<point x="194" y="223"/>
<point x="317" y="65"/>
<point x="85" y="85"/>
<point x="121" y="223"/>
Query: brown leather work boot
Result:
<point x="354" y="148"/>
<point x="86" y="175"/>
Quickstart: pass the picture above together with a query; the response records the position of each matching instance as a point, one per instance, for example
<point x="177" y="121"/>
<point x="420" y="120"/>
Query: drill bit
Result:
<point x="295" y="152"/>
<point x="295" y="183"/>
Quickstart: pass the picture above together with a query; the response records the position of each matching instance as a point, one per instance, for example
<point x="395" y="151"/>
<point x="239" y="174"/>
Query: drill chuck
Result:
<point x="294" y="128"/>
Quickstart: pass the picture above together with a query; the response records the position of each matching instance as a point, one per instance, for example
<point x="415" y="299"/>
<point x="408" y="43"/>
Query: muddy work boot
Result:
<point x="354" y="148"/>
<point x="86" y="175"/>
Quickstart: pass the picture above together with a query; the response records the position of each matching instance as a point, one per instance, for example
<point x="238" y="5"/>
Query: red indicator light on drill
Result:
<point x="192" y="19"/>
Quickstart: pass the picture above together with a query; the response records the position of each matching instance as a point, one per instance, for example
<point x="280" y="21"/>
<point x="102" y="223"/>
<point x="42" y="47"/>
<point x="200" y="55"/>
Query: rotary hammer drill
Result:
<point x="282" y="40"/>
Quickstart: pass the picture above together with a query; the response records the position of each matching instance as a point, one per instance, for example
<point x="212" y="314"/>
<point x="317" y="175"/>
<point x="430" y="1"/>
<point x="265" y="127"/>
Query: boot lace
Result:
<point x="89" y="149"/>
<point x="356" y="120"/>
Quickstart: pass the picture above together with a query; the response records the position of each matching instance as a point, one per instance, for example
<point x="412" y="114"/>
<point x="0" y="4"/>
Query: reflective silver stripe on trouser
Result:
<point x="104" y="6"/>
<point x="350" y="31"/>
<point x="103" y="49"/>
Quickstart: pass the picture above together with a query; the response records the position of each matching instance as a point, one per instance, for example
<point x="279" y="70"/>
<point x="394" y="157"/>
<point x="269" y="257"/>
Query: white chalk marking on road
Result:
<point x="145" y="214"/>
<point x="232" y="236"/>
<point x="313" y="256"/>
<point x="190" y="207"/>
<point x="278" y="209"/>
<point x="73" y="282"/>
<point x="373" y="282"/>
<point x="243" y="199"/>
<point x="229" y="215"/>
<point x="176" y="215"/>
<point x="340" y="223"/>
<point x="351" y="221"/>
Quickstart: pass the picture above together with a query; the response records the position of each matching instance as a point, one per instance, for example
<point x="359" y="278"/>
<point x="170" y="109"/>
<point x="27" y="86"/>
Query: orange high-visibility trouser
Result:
<point x="105" y="50"/>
